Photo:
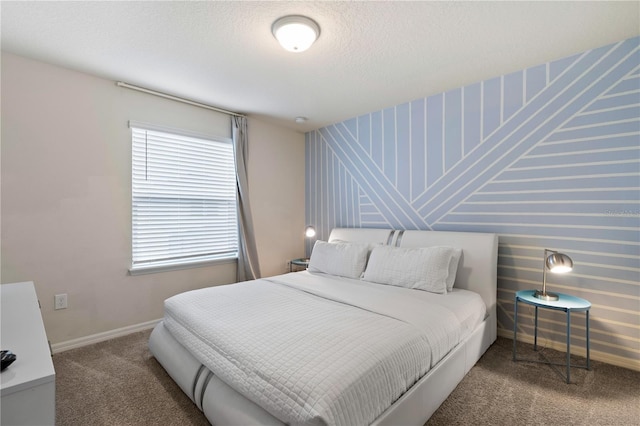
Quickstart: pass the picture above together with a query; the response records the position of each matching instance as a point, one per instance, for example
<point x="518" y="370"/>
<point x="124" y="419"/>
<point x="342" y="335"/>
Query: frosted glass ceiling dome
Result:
<point x="295" y="33"/>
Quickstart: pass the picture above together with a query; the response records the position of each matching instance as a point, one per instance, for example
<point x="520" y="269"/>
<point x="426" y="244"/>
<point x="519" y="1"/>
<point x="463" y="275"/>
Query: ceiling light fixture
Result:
<point x="295" y="33"/>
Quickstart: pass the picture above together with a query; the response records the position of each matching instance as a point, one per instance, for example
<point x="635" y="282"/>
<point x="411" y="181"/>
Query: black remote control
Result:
<point x="6" y="358"/>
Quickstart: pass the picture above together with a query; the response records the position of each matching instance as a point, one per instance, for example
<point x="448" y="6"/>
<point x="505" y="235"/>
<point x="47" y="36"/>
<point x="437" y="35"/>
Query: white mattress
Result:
<point x="406" y="304"/>
<point x="317" y="349"/>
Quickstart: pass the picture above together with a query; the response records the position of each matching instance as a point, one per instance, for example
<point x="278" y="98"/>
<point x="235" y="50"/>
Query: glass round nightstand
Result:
<point x="297" y="264"/>
<point x="565" y="303"/>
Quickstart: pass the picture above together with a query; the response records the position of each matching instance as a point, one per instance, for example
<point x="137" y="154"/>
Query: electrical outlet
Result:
<point x="60" y="301"/>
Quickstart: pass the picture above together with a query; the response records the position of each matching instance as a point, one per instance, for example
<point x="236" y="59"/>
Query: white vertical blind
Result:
<point x="183" y="199"/>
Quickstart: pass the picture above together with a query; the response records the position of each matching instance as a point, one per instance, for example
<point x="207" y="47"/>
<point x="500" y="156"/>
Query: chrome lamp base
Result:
<point x="545" y="296"/>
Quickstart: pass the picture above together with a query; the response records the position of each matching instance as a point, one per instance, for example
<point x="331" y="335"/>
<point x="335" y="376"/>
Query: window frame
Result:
<point x="159" y="266"/>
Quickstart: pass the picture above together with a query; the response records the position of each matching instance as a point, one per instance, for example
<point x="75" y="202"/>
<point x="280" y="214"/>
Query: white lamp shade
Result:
<point x="295" y="33"/>
<point x="310" y="231"/>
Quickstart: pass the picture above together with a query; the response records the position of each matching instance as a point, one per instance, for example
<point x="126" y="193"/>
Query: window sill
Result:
<point x="153" y="269"/>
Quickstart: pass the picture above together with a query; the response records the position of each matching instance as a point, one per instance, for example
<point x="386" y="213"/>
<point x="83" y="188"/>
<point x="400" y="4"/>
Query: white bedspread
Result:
<point x="312" y="348"/>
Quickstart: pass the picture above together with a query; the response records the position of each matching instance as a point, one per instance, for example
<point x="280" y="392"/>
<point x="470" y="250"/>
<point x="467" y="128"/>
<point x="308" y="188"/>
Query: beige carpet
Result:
<point x="119" y="383"/>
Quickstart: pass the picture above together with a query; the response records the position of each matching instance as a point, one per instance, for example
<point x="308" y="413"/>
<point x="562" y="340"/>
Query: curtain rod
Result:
<point x="175" y="98"/>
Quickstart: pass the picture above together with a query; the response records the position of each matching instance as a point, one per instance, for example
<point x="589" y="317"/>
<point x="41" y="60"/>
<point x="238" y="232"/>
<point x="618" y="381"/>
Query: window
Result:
<point x="183" y="199"/>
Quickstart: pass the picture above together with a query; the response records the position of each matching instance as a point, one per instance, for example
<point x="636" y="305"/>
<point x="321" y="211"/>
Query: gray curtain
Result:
<point x="248" y="267"/>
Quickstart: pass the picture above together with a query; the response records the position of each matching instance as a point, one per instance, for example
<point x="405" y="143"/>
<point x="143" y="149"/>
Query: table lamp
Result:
<point x="309" y="233"/>
<point x="557" y="263"/>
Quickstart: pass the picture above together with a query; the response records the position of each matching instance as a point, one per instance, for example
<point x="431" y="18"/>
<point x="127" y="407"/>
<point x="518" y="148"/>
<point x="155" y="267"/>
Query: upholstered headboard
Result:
<point x="477" y="270"/>
<point x="362" y="235"/>
<point x="478" y="267"/>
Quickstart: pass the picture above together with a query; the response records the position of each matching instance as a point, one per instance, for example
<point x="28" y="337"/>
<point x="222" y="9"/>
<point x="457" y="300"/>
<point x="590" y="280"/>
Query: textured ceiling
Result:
<point x="370" y="55"/>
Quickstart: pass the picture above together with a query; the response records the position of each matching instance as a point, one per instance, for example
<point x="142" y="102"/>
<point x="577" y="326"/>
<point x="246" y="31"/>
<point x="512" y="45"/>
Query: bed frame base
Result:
<point x="222" y="405"/>
<point x="423" y="399"/>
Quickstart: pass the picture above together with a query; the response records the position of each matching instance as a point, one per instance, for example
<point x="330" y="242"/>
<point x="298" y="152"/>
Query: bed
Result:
<point x="336" y="349"/>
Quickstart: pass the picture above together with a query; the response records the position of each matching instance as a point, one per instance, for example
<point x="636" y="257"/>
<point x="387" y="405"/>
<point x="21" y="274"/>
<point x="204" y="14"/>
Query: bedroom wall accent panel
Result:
<point x="547" y="157"/>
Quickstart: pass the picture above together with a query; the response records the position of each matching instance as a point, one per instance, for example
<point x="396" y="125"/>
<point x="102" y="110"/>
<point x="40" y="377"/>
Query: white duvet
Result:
<point x="317" y="349"/>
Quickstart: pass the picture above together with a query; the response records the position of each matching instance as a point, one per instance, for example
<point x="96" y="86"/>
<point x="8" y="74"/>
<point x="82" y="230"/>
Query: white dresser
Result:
<point x="28" y="385"/>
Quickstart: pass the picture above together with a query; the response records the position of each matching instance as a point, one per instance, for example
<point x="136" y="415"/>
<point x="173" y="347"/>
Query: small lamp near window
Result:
<point x="557" y="263"/>
<point x="309" y="233"/>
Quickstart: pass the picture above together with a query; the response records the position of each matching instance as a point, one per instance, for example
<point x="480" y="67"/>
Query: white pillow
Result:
<point x="453" y="267"/>
<point x="425" y="268"/>
<point x="339" y="258"/>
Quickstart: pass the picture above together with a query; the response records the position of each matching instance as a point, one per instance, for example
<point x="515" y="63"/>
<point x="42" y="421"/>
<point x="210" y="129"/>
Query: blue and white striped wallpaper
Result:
<point x="548" y="157"/>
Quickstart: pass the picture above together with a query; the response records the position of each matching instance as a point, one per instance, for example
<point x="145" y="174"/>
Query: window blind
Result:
<point x="183" y="199"/>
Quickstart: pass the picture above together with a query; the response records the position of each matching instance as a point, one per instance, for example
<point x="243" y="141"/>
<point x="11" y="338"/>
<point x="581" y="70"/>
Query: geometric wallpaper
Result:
<point x="547" y="157"/>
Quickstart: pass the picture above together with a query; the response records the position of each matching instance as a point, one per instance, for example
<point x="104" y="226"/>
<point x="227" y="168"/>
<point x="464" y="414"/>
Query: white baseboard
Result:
<point x="619" y="361"/>
<point x="101" y="337"/>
